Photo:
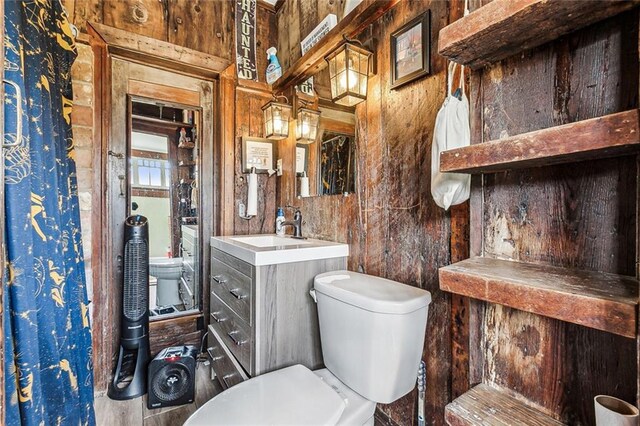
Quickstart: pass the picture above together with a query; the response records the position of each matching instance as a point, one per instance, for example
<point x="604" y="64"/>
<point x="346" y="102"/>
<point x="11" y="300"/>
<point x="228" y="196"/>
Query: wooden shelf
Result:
<point x="351" y="25"/>
<point x="608" y="136"/>
<point x="598" y="300"/>
<point x="504" y="28"/>
<point x="488" y="406"/>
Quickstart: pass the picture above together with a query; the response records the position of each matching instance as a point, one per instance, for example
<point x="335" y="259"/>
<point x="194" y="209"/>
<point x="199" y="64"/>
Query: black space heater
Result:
<point x="172" y="377"/>
<point x="130" y="375"/>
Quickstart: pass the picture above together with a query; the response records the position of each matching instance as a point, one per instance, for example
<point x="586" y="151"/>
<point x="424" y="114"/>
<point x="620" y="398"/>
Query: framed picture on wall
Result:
<point x="411" y="51"/>
<point x="258" y="153"/>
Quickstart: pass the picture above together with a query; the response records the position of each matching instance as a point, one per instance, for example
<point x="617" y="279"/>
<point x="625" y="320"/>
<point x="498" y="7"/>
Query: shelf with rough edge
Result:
<point x="488" y="406"/>
<point x="367" y="12"/>
<point x="608" y="136"/>
<point x="599" y="300"/>
<point x="503" y="28"/>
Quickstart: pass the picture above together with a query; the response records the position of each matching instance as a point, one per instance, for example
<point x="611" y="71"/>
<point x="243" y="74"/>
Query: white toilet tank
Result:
<point x="372" y="332"/>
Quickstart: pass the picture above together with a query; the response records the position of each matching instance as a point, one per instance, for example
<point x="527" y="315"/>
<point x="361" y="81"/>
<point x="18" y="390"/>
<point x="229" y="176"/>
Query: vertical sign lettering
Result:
<point x="246" y="39"/>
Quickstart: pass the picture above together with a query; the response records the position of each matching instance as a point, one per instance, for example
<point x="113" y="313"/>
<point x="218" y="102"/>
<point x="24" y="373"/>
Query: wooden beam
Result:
<point x="489" y="406"/>
<point x="351" y="25"/>
<point x="597" y="300"/>
<point x="503" y="28"/>
<point x="608" y="136"/>
<point x="150" y="51"/>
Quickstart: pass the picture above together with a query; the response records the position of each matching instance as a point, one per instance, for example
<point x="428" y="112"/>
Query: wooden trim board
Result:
<point x="597" y="300"/>
<point x="608" y="136"/>
<point x="151" y="51"/>
<point x="503" y="28"/>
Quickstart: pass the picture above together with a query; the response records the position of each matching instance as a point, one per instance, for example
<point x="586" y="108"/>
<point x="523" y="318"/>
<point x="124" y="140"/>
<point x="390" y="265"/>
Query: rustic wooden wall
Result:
<point x="577" y="215"/>
<point x="391" y="223"/>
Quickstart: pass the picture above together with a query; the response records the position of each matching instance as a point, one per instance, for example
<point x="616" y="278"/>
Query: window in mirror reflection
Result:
<point x="337" y="164"/>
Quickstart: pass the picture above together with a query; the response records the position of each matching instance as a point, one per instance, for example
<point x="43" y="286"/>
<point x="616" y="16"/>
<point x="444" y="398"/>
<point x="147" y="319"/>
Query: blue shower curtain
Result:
<point x="48" y="358"/>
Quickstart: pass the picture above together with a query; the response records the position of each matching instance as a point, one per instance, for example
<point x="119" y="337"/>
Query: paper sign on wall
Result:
<point x="246" y="39"/>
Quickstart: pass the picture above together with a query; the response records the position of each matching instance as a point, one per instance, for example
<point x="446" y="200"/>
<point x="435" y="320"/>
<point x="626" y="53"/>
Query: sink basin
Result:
<point x="270" y="249"/>
<point x="269" y="241"/>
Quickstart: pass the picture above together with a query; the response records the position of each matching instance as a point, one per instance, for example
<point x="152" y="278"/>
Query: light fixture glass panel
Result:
<point x="307" y="123"/>
<point x="276" y="120"/>
<point x="349" y="74"/>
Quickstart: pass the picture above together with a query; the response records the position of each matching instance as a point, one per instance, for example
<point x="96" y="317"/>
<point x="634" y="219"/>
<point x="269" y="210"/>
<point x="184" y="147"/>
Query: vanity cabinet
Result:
<point x="262" y="318"/>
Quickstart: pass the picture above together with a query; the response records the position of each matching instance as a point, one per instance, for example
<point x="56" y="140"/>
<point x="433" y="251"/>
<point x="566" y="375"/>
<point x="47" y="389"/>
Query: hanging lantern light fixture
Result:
<point x="307" y="123"/>
<point x="276" y="118"/>
<point x="348" y="73"/>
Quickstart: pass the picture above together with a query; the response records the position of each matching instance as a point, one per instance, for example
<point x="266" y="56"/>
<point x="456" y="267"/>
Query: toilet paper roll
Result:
<point x="252" y="195"/>
<point x="304" y="186"/>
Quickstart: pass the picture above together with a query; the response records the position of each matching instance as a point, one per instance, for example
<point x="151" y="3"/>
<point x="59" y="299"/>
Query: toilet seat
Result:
<point x="290" y="396"/>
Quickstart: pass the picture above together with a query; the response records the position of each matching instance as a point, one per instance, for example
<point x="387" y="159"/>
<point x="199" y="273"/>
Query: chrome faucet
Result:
<point x="296" y="223"/>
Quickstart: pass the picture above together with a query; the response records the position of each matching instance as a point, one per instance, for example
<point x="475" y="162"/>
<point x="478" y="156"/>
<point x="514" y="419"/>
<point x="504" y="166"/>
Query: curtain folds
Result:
<point x="48" y="354"/>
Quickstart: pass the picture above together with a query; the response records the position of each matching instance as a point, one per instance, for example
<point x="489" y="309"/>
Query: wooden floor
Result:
<point x="134" y="412"/>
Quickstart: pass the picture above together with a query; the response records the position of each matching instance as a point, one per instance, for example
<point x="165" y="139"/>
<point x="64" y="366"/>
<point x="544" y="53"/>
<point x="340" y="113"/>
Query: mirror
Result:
<point x="329" y="163"/>
<point x="163" y="187"/>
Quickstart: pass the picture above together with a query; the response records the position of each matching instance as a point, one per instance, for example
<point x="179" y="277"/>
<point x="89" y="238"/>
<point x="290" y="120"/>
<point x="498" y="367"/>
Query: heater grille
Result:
<point x="136" y="279"/>
<point x="172" y="382"/>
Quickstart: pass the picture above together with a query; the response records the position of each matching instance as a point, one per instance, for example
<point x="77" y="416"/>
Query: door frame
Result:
<point x="107" y="286"/>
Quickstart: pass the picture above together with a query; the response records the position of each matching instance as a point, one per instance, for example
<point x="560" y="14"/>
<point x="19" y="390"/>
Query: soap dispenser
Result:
<point x="274" y="71"/>
<point x="280" y="221"/>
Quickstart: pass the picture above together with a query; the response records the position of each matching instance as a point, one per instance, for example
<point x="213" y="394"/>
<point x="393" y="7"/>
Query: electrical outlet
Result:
<point x="279" y="167"/>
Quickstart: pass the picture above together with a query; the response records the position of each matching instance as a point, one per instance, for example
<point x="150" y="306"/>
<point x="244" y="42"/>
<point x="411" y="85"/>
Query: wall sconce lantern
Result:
<point x="276" y="119"/>
<point x="307" y="123"/>
<point x="348" y="73"/>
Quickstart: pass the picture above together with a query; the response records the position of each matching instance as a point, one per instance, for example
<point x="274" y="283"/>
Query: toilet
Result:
<point x="372" y="332"/>
<point x="168" y="272"/>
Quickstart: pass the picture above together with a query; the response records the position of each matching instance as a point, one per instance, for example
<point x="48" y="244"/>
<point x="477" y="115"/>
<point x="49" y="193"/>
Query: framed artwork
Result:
<point x="411" y="51"/>
<point x="258" y="153"/>
<point x="302" y="159"/>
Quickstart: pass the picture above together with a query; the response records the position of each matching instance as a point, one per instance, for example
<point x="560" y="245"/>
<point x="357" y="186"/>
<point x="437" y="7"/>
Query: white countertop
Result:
<point x="270" y="249"/>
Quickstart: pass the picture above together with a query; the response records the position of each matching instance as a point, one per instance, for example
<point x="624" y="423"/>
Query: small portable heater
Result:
<point x="130" y="376"/>
<point x="172" y="377"/>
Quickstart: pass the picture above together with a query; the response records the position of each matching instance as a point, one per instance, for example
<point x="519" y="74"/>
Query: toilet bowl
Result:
<point x="168" y="272"/>
<point x="372" y="332"/>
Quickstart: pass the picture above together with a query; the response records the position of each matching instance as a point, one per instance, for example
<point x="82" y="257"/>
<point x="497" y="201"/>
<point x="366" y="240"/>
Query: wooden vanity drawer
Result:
<point x="228" y="373"/>
<point x="233" y="287"/>
<point x="233" y="332"/>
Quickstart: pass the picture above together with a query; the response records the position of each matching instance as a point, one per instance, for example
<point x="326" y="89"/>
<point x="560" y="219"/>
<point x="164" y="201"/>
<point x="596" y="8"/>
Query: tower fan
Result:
<point x="130" y="376"/>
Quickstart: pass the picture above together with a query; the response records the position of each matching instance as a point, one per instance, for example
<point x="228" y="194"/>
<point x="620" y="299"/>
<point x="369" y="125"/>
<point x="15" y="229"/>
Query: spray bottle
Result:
<point x="274" y="71"/>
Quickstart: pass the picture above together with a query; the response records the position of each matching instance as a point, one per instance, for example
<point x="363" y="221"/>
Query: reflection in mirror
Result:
<point x="163" y="186"/>
<point x="330" y="163"/>
<point x="337" y="164"/>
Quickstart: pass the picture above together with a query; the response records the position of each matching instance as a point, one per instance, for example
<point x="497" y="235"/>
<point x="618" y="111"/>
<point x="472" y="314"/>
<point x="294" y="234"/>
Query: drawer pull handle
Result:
<point x="225" y="377"/>
<point x="232" y="336"/>
<point x="219" y="279"/>
<point x="216" y="318"/>
<point x="235" y="292"/>
<point x="213" y="358"/>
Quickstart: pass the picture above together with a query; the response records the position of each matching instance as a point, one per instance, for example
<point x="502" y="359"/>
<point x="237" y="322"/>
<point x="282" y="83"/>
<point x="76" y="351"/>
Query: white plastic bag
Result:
<point x="451" y="131"/>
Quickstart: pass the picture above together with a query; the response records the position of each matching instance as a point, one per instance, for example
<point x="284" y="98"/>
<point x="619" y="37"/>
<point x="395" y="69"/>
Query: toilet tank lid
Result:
<point x="371" y="293"/>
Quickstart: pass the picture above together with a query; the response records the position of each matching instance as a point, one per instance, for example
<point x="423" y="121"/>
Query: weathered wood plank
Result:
<point x="487" y="406"/>
<point x="503" y="28"/>
<point x="143" y="17"/>
<point x="164" y="93"/>
<point x="174" y="331"/>
<point x="202" y="25"/>
<point x="156" y="52"/>
<point x="598" y="300"/>
<point x="602" y="137"/>
<point x="313" y="61"/>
